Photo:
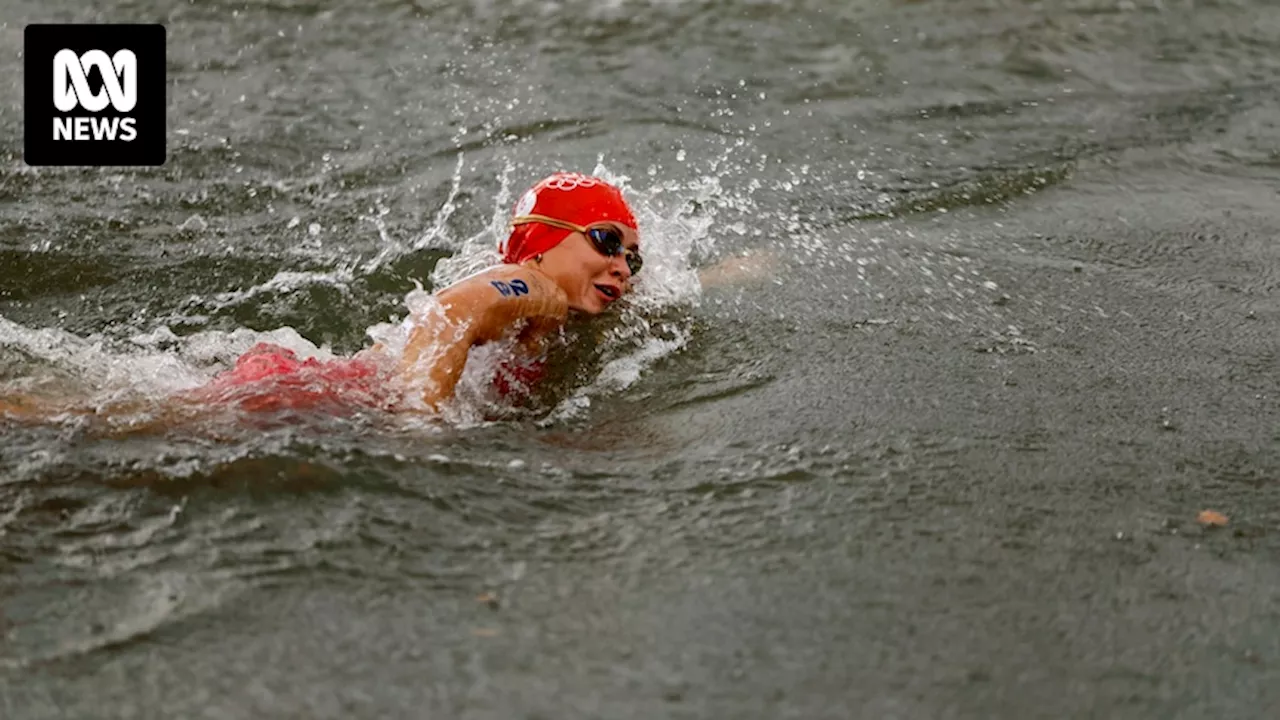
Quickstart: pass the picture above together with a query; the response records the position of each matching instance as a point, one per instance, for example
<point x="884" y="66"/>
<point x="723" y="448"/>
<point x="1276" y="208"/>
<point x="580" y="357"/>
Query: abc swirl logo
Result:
<point x="71" y="90"/>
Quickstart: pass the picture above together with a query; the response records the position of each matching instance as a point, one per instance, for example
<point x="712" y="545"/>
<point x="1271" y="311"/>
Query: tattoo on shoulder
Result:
<point x="511" y="288"/>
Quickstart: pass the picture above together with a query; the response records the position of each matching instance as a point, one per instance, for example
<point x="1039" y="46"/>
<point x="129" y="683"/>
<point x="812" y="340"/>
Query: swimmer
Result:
<point x="574" y="248"/>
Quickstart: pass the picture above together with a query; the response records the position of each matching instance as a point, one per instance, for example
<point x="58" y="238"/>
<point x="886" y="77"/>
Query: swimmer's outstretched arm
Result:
<point x="474" y="311"/>
<point x="749" y="267"/>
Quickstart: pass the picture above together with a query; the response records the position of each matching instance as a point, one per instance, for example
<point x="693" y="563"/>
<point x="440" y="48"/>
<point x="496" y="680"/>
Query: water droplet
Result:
<point x="195" y="222"/>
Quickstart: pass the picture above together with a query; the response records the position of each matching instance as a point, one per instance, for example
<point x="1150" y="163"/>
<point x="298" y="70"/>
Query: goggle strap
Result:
<point x="562" y="224"/>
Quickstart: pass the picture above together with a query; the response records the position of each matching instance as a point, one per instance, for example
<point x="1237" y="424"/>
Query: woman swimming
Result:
<point x="573" y="248"/>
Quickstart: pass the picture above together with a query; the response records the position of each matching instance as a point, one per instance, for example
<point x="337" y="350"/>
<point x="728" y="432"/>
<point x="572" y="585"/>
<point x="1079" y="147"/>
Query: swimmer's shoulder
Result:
<point x="504" y="294"/>
<point x="503" y="284"/>
<point x="504" y="281"/>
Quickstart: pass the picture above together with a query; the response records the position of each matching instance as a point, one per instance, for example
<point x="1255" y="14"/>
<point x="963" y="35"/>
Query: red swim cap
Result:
<point x="570" y="197"/>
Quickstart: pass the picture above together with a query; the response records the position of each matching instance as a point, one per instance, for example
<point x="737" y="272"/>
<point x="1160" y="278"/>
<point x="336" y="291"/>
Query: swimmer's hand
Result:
<point x="474" y="311"/>
<point x="754" y="265"/>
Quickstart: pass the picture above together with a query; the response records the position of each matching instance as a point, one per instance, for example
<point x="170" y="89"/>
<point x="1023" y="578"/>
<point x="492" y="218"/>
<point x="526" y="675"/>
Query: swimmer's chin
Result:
<point x="587" y="307"/>
<point x="591" y="305"/>
<point x="590" y="310"/>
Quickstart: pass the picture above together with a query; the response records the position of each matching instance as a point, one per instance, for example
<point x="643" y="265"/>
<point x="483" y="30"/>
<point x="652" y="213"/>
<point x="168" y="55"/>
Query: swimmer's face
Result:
<point x="592" y="279"/>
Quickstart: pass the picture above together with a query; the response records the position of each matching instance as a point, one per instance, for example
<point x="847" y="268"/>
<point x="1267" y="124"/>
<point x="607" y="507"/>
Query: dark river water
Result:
<point x="945" y="460"/>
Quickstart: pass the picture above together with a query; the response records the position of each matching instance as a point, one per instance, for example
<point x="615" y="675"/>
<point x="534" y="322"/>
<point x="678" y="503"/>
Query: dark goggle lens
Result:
<point x="609" y="242"/>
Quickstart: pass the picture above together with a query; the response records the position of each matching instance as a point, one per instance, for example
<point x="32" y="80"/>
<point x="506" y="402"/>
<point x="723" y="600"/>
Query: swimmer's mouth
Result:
<point x="610" y="293"/>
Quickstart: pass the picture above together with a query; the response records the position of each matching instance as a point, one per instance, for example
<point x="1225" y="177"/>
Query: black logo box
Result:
<point x="41" y="43"/>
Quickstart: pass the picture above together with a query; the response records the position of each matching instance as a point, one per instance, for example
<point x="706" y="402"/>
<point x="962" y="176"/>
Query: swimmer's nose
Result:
<point x="620" y="268"/>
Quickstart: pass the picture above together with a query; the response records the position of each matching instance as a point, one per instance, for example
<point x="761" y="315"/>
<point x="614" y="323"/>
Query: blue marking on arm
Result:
<point x="519" y="287"/>
<point x="502" y="287"/>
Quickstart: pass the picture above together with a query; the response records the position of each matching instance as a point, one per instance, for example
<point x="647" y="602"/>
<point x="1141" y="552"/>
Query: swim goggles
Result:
<point x="607" y="241"/>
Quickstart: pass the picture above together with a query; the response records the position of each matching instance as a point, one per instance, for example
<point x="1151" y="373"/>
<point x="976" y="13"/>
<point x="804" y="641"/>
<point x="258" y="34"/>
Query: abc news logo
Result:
<point x="95" y="95"/>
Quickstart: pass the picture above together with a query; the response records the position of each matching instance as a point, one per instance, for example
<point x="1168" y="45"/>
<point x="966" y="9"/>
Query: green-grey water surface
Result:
<point x="945" y="461"/>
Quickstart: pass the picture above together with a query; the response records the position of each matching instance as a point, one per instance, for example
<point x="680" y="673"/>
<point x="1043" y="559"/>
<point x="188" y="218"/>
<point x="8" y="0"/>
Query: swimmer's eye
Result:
<point x="609" y="242"/>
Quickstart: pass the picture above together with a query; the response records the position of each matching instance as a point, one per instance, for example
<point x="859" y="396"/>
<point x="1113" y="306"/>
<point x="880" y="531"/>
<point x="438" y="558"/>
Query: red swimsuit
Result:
<point x="270" y="377"/>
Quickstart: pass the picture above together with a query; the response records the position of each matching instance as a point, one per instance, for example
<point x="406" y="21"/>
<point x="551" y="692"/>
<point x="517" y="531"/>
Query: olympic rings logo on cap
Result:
<point x="570" y="181"/>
